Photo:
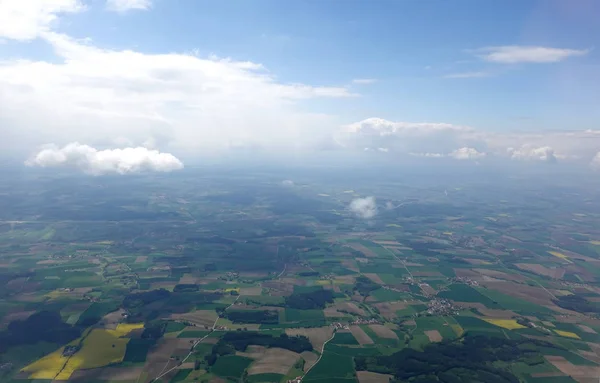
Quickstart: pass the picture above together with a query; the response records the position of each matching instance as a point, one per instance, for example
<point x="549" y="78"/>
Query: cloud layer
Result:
<point x="513" y="54"/>
<point x="364" y="207"/>
<point x="97" y="162"/>
<point x="178" y="101"/>
<point x="443" y="140"/>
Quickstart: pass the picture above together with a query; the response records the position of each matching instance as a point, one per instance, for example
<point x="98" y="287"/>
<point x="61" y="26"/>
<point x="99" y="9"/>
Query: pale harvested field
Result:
<point x="187" y="279"/>
<point x="111" y="320"/>
<point x="338" y="310"/>
<point x="198" y="317"/>
<point x="375" y="278"/>
<point x="427" y="274"/>
<point x="363" y="249"/>
<point x="317" y="336"/>
<point x="47" y="262"/>
<point x="501" y="314"/>
<point x="18" y="315"/>
<point x="388" y="309"/>
<point x="362" y="260"/>
<point x="413" y="264"/>
<point x="467" y="273"/>
<point x="141" y="259"/>
<point x="586" y="329"/>
<point x="372" y="377"/>
<point x="252" y="352"/>
<point x="251" y="290"/>
<point x="434" y="335"/>
<point x="383" y="331"/>
<point x="274" y="360"/>
<point x="501" y="275"/>
<point x="350" y="265"/>
<point x="159" y="356"/>
<point x="389" y="243"/>
<point x="310" y="358"/>
<point x="360" y="335"/>
<point x="427" y="289"/>
<point x="529" y="293"/>
<point x="576" y="372"/>
<point x="475" y="261"/>
<point x="557" y="273"/>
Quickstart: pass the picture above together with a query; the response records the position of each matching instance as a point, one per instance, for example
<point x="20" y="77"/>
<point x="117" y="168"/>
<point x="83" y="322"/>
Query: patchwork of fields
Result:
<point x="251" y="281"/>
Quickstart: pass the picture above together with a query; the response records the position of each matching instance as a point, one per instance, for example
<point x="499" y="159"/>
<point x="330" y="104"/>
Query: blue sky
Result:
<point x="408" y="46"/>
<point x="496" y="66"/>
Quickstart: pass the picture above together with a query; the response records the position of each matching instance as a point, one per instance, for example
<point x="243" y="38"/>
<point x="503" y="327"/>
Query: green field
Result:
<point x="230" y="366"/>
<point x="332" y="368"/>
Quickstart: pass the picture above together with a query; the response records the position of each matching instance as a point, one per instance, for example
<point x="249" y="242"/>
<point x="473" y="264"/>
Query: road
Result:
<point x="194" y="345"/>
<point x="321" y="356"/>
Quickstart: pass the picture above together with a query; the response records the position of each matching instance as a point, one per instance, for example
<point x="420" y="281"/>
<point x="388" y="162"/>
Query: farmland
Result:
<point x="206" y="278"/>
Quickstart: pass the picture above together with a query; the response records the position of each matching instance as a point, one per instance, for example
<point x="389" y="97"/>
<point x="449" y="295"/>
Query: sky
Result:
<point x="129" y="85"/>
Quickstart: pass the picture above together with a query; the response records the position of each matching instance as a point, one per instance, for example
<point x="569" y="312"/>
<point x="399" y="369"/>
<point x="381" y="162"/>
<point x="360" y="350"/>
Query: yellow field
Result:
<point x="567" y="334"/>
<point x="393" y="225"/>
<point x="230" y="289"/>
<point x="447" y="233"/>
<point x="49" y="366"/>
<point x="595" y="243"/>
<point x="509" y="324"/>
<point x="560" y="255"/>
<point x="100" y="348"/>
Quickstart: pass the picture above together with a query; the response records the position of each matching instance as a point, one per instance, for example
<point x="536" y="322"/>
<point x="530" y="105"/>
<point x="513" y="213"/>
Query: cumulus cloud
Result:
<point x="287" y="183"/>
<point x="364" y="81"/>
<point x="406" y="137"/>
<point x="364" y="207"/>
<point x="528" y="152"/>
<point x="595" y="163"/>
<point x="180" y="102"/>
<point x="513" y="54"/>
<point x="97" y="162"/>
<point x="437" y="140"/>
<point x="127" y="5"/>
<point x="466" y="154"/>
<point x="27" y="19"/>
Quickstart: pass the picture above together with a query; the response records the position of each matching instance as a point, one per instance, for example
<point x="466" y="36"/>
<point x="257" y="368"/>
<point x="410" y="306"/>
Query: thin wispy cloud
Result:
<point x="364" y="81"/>
<point x="513" y="54"/>
<point x="128" y="5"/>
<point x="468" y="75"/>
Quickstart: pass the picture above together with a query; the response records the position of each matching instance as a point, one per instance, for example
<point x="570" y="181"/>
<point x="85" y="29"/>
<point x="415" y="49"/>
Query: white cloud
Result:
<point x="27" y="19"/>
<point x="528" y="152"/>
<point x="364" y="81"/>
<point x="175" y="101"/>
<point x="364" y="207"/>
<point x="427" y="155"/>
<point x="468" y="75"/>
<point x="287" y="183"/>
<point x="466" y="154"/>
<point x="127" y="5"/>
<point x="405" y="137"/>
<point x="595" y="163"/>
<point x="96" y="162"/>
<point x="512" y="54"/>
